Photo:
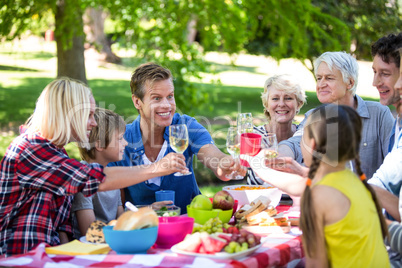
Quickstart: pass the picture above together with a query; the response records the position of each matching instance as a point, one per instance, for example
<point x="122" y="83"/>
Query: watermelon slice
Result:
<point x="191" y="243"/>
<point x="212" y="244"/>
<point x="223" y="236"/>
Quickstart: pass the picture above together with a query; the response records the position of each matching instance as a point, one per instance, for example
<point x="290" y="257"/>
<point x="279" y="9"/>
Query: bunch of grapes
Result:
<point x="242" y="241"/>
<point x="213" y="225"/>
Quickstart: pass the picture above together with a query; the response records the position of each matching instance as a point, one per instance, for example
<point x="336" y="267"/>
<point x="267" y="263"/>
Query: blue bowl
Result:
<point x="130" y="242"/>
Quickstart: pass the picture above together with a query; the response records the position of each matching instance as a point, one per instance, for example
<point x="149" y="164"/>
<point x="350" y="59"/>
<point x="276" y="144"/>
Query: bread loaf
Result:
<point x="145" y="217"/>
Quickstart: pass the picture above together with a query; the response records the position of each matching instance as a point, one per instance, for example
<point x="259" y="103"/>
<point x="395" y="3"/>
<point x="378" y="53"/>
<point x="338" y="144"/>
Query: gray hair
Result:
<point x="344" y="62"/>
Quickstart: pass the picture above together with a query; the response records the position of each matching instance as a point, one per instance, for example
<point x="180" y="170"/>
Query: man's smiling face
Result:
<point x="385" y="77"/>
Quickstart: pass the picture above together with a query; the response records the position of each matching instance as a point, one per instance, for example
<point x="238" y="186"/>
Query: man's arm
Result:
<point x="388" y="201"/>
<point x="220" y="163"/>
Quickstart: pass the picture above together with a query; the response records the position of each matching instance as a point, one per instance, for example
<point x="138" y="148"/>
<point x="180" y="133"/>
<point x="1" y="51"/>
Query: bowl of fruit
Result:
<point x="202" y="208"/>
<point x="245" y="194"/>
<point x="173" y="230"/>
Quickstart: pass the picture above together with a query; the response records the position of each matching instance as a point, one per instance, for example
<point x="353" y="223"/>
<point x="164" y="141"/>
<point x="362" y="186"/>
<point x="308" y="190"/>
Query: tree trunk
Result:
<point x="94" y="21"/>
<point x="70" y="40"/>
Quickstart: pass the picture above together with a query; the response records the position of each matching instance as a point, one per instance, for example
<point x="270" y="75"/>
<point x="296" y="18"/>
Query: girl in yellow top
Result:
<point x="341" y="218"/>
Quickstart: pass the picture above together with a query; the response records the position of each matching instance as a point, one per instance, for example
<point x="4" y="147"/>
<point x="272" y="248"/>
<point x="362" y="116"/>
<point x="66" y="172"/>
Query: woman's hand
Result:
<point x="287" y="164"/>
<point x="171" y="163"/>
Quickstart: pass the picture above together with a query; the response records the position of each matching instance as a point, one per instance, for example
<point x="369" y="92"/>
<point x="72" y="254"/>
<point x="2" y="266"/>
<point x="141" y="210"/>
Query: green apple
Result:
<point x="201" y="202"/>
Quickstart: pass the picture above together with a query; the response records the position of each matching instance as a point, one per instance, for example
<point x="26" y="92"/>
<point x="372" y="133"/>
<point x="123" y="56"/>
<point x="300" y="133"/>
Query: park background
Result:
<point x="220" y="53"/>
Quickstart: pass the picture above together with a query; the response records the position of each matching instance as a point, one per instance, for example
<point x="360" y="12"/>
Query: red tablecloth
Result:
<point x="279" y="250"/>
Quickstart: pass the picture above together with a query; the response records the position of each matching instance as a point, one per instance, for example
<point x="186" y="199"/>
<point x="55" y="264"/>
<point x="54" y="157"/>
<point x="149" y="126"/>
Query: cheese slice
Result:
<point x="76" y="247"/>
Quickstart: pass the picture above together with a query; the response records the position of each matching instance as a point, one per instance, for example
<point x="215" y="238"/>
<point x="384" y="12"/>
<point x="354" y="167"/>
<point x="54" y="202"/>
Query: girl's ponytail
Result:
<point x="384" y="227"/>
<point x="307" y="214"/>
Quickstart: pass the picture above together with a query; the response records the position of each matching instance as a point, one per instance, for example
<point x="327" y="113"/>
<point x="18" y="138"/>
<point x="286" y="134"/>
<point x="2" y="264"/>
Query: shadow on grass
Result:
<point x="219" y="68"/>
<point x="130" y="63"/>
<point x="30" y="55"/>
<point x="16" y="69"/>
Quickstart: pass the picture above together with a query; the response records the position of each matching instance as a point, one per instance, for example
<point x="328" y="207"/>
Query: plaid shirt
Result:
<point x="37" y="184"/>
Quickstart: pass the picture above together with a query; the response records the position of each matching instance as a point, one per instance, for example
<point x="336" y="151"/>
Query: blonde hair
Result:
<point x="62" y="107"/>
<point x="108" y="122"/>
<point x="337" y="131"/>
<point x="282" y="83"/>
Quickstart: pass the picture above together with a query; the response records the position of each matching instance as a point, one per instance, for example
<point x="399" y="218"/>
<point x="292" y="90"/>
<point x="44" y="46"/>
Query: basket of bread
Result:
<point x="261" y="217"/>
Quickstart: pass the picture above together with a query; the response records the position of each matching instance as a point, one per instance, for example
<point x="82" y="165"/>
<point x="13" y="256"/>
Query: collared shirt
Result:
<point x="37" y="184"/>
<point x="377" y="122"/>
<point x="389" y="175"/>
<point x="185" y="187"/>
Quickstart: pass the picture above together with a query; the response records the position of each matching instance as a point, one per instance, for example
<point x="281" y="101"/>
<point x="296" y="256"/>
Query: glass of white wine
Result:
<point x="269" y="144"/>
<point x="245" y="123"/>
<point x="233" y="148"/>
<point x="178" y="139"/>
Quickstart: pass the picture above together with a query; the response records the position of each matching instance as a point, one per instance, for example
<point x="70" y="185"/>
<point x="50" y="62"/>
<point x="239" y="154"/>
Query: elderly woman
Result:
<point x="337" y="76"/>
<point x="282" y="100"/>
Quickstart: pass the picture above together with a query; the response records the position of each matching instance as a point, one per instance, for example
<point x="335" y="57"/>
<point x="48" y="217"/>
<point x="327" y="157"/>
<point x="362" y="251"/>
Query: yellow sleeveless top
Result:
<point x="355" y="240"/>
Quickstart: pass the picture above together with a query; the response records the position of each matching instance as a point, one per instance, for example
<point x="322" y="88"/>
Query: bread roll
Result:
<point x="145" y="217"/>
<point x="95" y="232"/>
<point x="112" y="223"/>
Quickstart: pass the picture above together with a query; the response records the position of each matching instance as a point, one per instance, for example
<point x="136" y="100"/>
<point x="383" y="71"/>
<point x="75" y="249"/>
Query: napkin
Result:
<point x="76" y="247"/>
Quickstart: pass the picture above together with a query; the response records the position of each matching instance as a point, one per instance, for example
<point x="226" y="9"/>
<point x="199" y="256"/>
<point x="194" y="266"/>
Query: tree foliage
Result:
<point x="304" y="30"/>
<point x="367" y="20"/>
<point x="158" y="30"/>
<point x="348" y="25"/>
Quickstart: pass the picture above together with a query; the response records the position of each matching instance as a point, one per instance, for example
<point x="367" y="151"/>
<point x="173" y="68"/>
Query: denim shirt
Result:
<point x="377" y="123"/>
<point x="185" y="187"/>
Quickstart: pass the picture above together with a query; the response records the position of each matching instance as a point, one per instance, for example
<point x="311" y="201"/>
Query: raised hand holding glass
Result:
<point x="178" y="139"/>
<point x="233" y="148"/>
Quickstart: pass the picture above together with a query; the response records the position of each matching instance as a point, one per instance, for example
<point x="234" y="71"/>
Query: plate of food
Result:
<point x="219" y="245"/>
<point x="218" y="255"/>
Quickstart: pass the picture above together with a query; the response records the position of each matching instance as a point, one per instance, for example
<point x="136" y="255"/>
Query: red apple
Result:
<point x="223" y="200"/>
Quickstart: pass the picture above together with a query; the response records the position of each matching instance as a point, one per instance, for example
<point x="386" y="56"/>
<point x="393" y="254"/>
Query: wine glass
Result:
<point x="270" y="145"/>
<point x="178" y="139"/>
<point x="233" y="148"/>
<point x="245" y="123"/>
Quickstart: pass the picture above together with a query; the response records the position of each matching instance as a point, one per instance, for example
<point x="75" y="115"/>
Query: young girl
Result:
<point x="38" y="179"/>
<point x="341" y="219"/>
<point x="106" y="145"/>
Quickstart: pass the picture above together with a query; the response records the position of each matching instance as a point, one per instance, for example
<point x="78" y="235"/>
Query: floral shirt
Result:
<point x="37" y="184"/>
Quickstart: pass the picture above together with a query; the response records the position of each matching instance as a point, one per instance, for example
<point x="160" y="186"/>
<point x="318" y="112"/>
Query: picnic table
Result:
<point x="277" y="250"/>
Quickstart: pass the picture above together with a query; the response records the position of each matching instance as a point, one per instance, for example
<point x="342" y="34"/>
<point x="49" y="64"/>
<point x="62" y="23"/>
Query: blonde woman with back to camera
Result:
<point x="38" y="179"/>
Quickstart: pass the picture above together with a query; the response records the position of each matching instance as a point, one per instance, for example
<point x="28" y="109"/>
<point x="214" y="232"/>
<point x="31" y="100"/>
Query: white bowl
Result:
<point x="248" y="196"/>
